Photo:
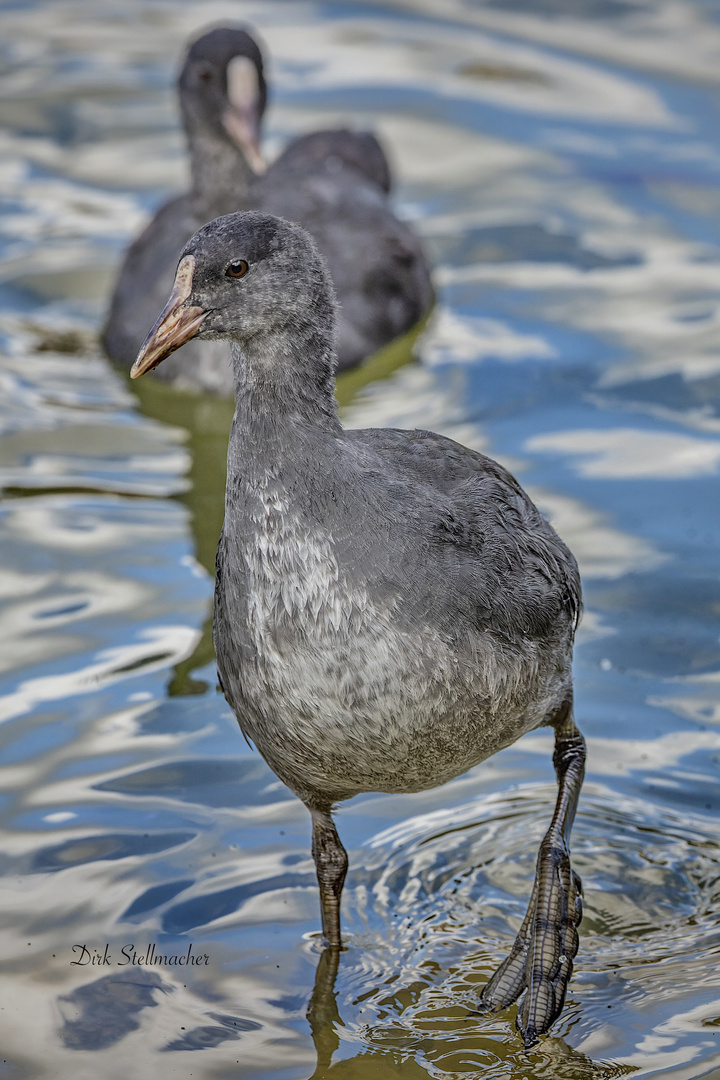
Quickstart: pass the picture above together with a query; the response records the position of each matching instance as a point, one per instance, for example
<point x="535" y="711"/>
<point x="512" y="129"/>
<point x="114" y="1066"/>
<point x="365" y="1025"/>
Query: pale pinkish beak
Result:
<point x="240" y="119"/>
<point x="176" y="325"/>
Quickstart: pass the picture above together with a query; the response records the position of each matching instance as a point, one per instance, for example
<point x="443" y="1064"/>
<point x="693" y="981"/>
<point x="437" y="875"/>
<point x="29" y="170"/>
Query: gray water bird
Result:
<point x="390" y="607"/>
<point x="335" y="183"/>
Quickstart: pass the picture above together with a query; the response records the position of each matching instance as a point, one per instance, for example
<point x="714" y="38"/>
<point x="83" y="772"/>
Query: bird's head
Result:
<point x="246" y="276"/>
<point x="222" y="90"/>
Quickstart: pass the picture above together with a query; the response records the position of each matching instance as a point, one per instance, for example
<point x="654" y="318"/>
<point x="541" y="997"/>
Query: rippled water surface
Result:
<point x="561" y="160"/>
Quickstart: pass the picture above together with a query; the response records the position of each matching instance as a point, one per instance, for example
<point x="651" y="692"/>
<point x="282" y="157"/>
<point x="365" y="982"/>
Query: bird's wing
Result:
<point x="330" y="152"/>
<point x="484" y="539"/>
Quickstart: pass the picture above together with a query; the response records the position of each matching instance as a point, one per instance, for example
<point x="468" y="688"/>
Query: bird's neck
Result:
<point x="222" y="180"/>
<point x="285" y="407"/>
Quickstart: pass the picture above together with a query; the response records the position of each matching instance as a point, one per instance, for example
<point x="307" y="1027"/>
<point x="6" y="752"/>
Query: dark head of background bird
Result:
<point x="260" y="281"/>
<point x="222" y="90"/>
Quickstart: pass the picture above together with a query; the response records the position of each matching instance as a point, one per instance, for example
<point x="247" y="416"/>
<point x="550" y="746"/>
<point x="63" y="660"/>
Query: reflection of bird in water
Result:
<point x="335" y="183"/>
<point x="390" y="607"/>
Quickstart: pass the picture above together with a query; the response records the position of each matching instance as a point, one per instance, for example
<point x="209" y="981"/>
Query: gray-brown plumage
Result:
<point x="335" y="183"/>
<point x="390" y="607"/>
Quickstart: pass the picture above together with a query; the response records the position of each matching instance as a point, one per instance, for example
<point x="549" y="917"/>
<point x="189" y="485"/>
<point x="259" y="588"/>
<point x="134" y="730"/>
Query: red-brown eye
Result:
<point x="237" y="269"/>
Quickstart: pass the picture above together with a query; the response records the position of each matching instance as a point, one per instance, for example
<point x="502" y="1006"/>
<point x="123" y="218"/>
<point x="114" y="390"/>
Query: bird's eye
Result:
<point x="237" y="269"/>
<point x="204" y="74"/>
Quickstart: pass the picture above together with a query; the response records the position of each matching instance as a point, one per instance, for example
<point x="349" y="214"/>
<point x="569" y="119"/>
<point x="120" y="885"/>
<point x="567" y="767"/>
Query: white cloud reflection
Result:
<point x="629" y="453"/>
<point x="493" y="69"/>
<point x="454" y="338"/>
<point x="158" y="647"/>
<point x="693" y="697"/>
<point x="601" y="550"/>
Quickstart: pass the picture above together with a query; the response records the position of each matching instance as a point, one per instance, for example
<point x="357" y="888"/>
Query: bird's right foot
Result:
<point x="541" y="960"/>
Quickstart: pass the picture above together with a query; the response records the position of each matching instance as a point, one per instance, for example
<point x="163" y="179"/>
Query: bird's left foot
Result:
<point x="541" y="960"/>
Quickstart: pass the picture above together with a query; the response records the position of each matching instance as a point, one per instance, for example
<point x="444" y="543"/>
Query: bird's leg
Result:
<point x="331" y="863"/>
<point x="541" y="960"/>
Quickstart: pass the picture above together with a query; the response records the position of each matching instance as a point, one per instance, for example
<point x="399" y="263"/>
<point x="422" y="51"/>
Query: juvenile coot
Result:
<point x="335" y="183"/>
<point x="390" y="607"/>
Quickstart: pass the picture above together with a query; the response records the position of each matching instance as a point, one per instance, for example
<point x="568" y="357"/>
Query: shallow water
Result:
<point x="562" y="162"/>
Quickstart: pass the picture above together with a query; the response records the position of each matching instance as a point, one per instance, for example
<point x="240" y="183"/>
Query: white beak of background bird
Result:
<point x="241" y="118"/>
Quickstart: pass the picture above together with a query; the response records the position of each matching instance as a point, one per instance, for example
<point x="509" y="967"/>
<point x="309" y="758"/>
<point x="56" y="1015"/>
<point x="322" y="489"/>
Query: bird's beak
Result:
<point x="241" y="117"/>
<point x="177" y="324"/>
<point x="244" y="131"/>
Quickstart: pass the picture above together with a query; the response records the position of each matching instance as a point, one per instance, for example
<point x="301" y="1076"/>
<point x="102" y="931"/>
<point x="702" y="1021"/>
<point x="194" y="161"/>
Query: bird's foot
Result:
<point x="541" y="960"/>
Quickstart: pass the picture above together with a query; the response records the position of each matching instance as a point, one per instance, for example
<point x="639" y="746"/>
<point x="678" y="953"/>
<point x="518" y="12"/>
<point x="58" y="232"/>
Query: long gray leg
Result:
<point x="331" y="863"/>
<point x="541" y="960"/>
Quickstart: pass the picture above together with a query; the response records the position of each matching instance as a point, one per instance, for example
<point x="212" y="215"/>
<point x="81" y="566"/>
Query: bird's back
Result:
<point x="482" y="548"/>
<point x="334" y="151"/>
<point x="376" y="261"/>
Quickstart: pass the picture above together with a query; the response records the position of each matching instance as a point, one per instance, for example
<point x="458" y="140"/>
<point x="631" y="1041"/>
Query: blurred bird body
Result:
<point x="335" y="183"/>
